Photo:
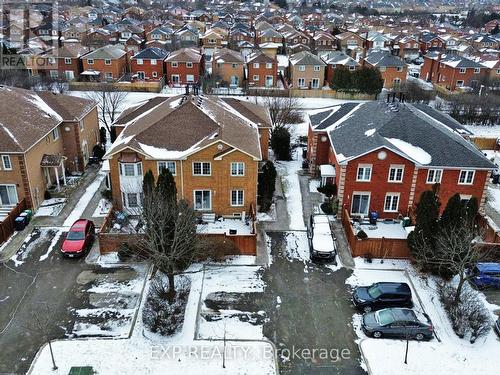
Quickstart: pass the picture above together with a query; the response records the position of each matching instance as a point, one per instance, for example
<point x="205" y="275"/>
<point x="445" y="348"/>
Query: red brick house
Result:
<point x="392" y="68"/>
<point x="382" y="156"/>
<point x="431" y="42"/>
<point x="262" y="70"/>
<point x="452" y="71"/>
<point x="335" y="60"/>
<point x="64" y="63"/>
<point x="184" y="66"/>
<point x="408" y="47"/>
<point x="148" y="65"/>
<point x="107" y="63"/>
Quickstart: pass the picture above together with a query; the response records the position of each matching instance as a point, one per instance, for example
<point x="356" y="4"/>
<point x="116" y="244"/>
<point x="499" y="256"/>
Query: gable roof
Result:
<point x="151" y="53"/>
<point x="305" y="58"/>
<point x="422" y="135"/>
<point x="384" y="58"/>
<point x="106" y="52"/>
<point x="185" y="55"/>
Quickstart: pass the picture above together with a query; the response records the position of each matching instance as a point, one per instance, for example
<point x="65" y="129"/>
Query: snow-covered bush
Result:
<point x="158" y="315"/>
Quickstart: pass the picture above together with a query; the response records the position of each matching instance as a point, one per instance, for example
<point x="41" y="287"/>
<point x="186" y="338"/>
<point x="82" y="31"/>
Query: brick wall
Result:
<point x="261" y="72"/>
<point x="148" y="69"/>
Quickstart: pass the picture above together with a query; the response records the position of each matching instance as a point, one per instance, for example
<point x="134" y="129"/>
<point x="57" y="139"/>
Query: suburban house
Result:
<point x="392" y="68"/>
<point x="184" y="66"/>
<point x="349" y="41"/>
<point x="64" y="62"/>
<point x="262" y="70"/>
<point x="148" y="64"/>
<point x="407" y="48"/>
<point x="452" y="71"/>
<point x="324" y="41"/>
<point x="431" y="42"/>
<point x="306" y="71"/>
<point x="213" y="40"/>
<point x="228" y="67"/>
<point x="42" y="135"/>
<point x="335" y="60"/>
<point x="108" y="63"/>
<point x="212" y="151"/>
<point x="383" y="155"/>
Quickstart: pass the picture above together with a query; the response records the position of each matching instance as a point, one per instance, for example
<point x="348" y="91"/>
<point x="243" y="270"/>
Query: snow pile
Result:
<point x="370" y="132"/>
<point x="103" y="208"/>
<point x="51" y="207"/>
<point x="314" y="185"/>
<point x="45" y="108"/>
<point x="414" y="152"/>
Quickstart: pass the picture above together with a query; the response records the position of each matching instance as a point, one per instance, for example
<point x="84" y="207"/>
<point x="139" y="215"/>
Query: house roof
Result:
<point x="305" y="58"/>
<point x="178" y="126"/>
<point x="27" y="116"/>
<point x="225" y="55"/>
<point x="257" y="114"/>
<point x="151" y="53"/>
<point x="416" y="132"/>
<point x="384" y="58"/>
<point x="106" y="52"/>
<point x="340" y="58"/>
<point x="185" y="55"/>
<point x="455" y="61"/>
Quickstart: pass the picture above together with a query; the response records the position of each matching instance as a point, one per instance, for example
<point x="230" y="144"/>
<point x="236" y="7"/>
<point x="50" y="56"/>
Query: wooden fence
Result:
<point x="485" y="143"/>
<point x="310" y="93"/>
<point x="491" y="232"/>
<point x="138" y="86"/>
<point x="7" y="226"/>
<point x="374" y="247"/>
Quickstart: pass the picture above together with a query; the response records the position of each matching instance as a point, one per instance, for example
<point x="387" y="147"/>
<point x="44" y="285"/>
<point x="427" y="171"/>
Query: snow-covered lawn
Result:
<point x="147" y="353"/>
<point x="383" y="230"/>
<point x="484" y="130"/>
<point x="51" y="207"/>
<point x="448" y="355"/>
<point x="222" y="226"/>
<point x="103" y="208"/>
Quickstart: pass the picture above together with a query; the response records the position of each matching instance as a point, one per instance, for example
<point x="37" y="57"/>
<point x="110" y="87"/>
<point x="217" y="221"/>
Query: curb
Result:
<point x="365" y="360"/>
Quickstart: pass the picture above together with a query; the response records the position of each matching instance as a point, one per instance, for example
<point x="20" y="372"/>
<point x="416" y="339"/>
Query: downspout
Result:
<point x="182" y="180"/>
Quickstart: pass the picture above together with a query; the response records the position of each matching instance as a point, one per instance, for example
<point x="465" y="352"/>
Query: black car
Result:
<point x="381" y="295"/>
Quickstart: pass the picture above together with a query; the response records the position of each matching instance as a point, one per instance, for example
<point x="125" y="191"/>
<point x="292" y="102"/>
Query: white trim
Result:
<point x="166" y="162"/>
<point x="3" y="162"/>
<point x="434" y="177"/>
<point x="396" y="167"/>
<point x="202" y="174"/>
<point x="15" y="189"/>
<point x="194" y="200"/>
<point x="364" y="166"/>
<point x="231" y="198"/>
<point x="467" y="171"/>
<point x="398" y="195"/>
<point x="231" y="169"/>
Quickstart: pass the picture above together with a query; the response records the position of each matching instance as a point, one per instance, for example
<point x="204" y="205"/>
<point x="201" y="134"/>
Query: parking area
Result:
<point x="78" y="299"/>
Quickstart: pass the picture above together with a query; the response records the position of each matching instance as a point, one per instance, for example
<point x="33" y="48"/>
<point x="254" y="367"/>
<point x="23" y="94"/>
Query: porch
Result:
<point x="53" y="170"/>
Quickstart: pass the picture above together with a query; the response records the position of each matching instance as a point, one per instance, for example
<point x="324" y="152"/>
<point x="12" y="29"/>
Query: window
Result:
<point x="131" y="169"/>
<point x="170" y="165"/>
<point x="108" y="76"/>
<point x="301" y="82"/>
<point x="269" y="65"/>
<point x="360" y="203"/>
<point x="396" y="173"/>
<point x="364" y="172"/>
<point x="315" y="83"/>
<point x="174" y="64"/>
<point x="391" y="202"/>
<point x="399" y="68"/>
<point x="55" y="134"/>
<point x="460" y="83"/>
<point x="302" y="68"/>
<point x="153" y="61"/>
<point x="132" y="201"/>
<point x="352" y="67"/>
<point x="233" y="65"/>
<point x="202" y="200"/>
<point x="477" y="70"/>
<point x="255" y="77"/>
<point x="54" y="74"/>
<point x="8" y="194"/>
<point x="237" y="169"/>
<point x="462" y="70"/>
<point x="107" y="62"/>
<point x="382" y="68"/>
<point x="189" y="64"/>
<point x="396" y="81"/>
<point x="189" y="78"/>
<point x="464" y="199"/>
<point x="237" y="198"/>
<point x="7" y="164"/>
<point x="434" y="176"/>
<point x="52" y="60"/>
<point x="70" y="75"/>
<point x="466" y="177"/>
<point x="67" y="60"/>
<point x="498" y="71"/>
<point x="201" y="169"/>
<point x="154" y="74"/>
<point x="317" y="68"/>
<point x="256" y="65"/>
<point x="140" y="61"/>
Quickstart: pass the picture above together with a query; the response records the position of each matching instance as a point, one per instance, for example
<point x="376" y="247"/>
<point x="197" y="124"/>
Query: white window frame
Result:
<point x="153" y="62"/>
<point x="433" y="179"/>
<point x="352" y="67"/>
<point x="302" y="68"/>
<point x="67" y="60"/>
<point x="136" y="168"/>
<point x="16" y="198"/>
<point x="194" y="200"/>
<point x="55" y="133"/>
<point x="174" y="64"/>
<point x="107" y="61"/>
<point x="166" y="163"/>
<point x="189" y="64"/>
<point x="239" y="167"/>
<point x="392" y="197"/>
<point x="460" y="83"/>
<point x="466" y="174"/>
<point x="303" y="80"/>
<point x="256" y="65"/>
<point x="382" y="69"/>
<point x="140" y="61"/>
<point x="364" y="167"/>
<point x="154" y="74"/>
<point x="255" y="77"/>
<point x="399" y="69"/>
<point x="477" y="70"/>
<point x="315" y="83"/>
<point x="240" y="198"/>
<point x="269" y="65"/>
<point x="396" y="167"/>
<point x="367" y="206"/>
<point x="6" y="163"/>
<point x="90" y="61"/>
<point x="462" y="70"/>
<point x="202" y="169"/>
<point x="317" y="68"/>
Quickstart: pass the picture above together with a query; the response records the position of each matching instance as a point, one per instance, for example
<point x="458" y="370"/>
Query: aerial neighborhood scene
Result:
<point x="237" y="187"/>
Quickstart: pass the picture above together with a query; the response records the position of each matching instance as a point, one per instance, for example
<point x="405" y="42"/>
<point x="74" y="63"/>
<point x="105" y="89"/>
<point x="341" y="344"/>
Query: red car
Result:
<point x="80" y="238"/>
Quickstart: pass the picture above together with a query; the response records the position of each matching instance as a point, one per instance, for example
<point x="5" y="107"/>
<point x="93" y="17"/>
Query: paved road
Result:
<point x="315" y="313"/>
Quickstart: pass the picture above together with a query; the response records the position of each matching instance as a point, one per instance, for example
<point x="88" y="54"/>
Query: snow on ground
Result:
<point x="152" y="354"/>
<point x="494" y="197"/>
<point x="31" y="241"/>
<point x="103" y="208"/>
<point x="222" y="226"/>
<point x="84" y="201"/>
<point x="52" y="245"/>
<point x="383" y="229"/>
<point x="484" y="130"/>
<point x="297" y="246"/>
<point x="267" y="216"/>
<point x="422" y="83"/>
<point x="51" y="207"/>
<point x="314" y="185"/>
<point x="451" y="355"/>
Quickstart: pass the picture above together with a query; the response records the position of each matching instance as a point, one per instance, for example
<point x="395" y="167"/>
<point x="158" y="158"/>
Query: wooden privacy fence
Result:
<point x="7" y="225"/>
<point x="485" y="143"/>
<point x="374" y="247"/>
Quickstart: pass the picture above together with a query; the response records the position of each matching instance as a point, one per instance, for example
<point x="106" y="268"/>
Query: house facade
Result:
<point x="306" y="71"/>
<point x="184" y="66"/>
<point x="384" y="155"/>
<point x="107" y="63"/>
<point x="228" y="67"/>
<point x="148" y="65"/>
<point x="262" y="70"/>
<point x="392" y="69"/>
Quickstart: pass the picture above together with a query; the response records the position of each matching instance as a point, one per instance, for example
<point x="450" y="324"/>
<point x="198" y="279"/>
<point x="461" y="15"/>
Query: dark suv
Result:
<point x="381" y="295"/>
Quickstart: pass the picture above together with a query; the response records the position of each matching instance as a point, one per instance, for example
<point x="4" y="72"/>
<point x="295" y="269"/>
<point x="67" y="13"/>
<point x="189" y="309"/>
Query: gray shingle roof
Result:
<point x="384" y="58"/>
<point x="412" y="131"/>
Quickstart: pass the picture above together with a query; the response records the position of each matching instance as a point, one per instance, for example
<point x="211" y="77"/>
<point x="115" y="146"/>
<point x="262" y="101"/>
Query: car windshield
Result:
<point x="374" y="291"/>
<point x="384" y="317"/>
<point x="75" y="236"/>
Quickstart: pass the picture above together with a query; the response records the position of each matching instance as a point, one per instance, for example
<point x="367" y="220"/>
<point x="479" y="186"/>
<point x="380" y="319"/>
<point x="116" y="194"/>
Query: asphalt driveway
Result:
<point x="311" y="310"/>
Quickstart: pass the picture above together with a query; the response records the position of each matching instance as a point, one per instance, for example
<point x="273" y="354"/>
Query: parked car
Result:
<point x="79" y="238"/>
<point x="381" y="295"/>
<point x="485" y="275"/>
<point x="322" y="244"/>
<point x="497" y="326"/>
<point x="397" y="322"/>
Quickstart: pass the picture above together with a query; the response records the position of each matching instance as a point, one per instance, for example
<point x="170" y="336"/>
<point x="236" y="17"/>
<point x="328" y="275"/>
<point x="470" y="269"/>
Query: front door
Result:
<point x="8" y="195"/>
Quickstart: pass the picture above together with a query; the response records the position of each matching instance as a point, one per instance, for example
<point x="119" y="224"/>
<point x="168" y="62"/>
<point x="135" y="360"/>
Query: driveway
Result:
<point x="77" y="295"/>
<point x="311" y="310"/>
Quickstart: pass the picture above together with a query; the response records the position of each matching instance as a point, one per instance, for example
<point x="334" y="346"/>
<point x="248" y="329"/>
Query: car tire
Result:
<point x="367" y="309"/>
<point x="377" y="335"/>
<point x="419" y="337"/>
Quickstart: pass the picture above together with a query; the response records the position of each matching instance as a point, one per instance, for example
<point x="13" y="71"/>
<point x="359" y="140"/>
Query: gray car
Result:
<point x="397" y="323"/>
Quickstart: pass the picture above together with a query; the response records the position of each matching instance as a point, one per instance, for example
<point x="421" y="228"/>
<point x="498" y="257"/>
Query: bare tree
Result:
<point x="283" y="111"/>
<point x="109" y="101"/>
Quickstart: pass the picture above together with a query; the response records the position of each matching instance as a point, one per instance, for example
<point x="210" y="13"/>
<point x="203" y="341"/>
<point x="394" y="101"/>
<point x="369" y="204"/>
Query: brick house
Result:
<point x="107" y="63"/>
<point x="64" y="62"/>
<point x="148" y="64"/>
<point x="262" y="70"/>
<point x="228" y="66"/>
<point x="213" y="40"/>
<point x="452" y="71"/>
<point x="42" y="136"/>
<point x="349" y="41"/>
<point x="212" y="152"/>
<point x="392" y="68"/>
<point x="306" y="71"/>
<point x="431" y="42"/>
<point x="184" y="66"/>
<point x="408" y="48"/>
<point x="324" y="41"/>
<point x="382" y="156"/>
<point x="336" y="59"/>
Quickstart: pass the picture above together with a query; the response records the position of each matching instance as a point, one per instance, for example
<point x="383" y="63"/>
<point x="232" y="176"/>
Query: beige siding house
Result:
<point x="306" y="71"/>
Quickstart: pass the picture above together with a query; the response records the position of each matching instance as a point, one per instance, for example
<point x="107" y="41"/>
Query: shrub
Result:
<point x="362" y="235"/>
<point x="326" y="207"/>
<point x="98" y="151"/>
<point x="266" y="186"/>
<point x="328" y="189"/>
<point x="107" y="194"/>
